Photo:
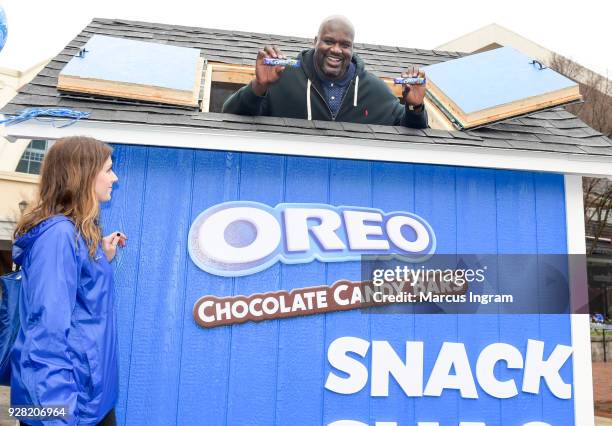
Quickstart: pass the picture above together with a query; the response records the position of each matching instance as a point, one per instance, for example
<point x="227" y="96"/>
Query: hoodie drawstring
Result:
<point x="308" y="91"/>
<point x="308" y="100"/>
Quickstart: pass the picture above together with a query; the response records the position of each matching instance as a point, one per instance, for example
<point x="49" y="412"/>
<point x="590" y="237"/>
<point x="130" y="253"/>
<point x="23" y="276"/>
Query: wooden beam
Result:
<point x="436" y="118"/>
<point x="226" y="73"/>
<point x="489" y="115"/>
<point x="134" y="91"/>
<point x="207" y="85"/>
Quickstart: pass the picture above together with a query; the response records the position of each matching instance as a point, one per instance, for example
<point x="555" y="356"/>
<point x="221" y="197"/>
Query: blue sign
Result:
<point x="240" y="238"/>
<point x="335" y="368"/>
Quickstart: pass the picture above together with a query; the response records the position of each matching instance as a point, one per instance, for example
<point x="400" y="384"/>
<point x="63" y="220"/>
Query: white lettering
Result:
<point x="536" y="367"/>
<point x="240" y="309"/>
<point x="252" y="304"/>
<point x="223" y="310"/>
<point x="217" y="248"/>
<point x="394" y="231"/>
<point x="338" y="358"/>
<point x="298" y="239"/>
<point x="358" y="231"/>
<point x="294" y="233"/>
<point x="485" y="369"/>
<point x="408" y="372"/>
<point x="340" y="300"/>
<point x="385" y="362"/>
<point x="536" y="424"/>
<point x="202" y="311"/>
<point x="452" y="355"/>
<point x="270" y="305"/>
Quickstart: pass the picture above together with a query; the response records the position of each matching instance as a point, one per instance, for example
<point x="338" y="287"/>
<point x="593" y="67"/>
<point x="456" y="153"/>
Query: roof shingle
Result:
<point x="554" y="130"/>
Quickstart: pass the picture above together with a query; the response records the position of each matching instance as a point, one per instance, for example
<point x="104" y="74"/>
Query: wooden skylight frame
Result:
<point x="136" y="70"/>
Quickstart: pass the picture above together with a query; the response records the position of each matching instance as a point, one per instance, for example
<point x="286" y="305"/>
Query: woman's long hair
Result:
<point x="67" y="187"/>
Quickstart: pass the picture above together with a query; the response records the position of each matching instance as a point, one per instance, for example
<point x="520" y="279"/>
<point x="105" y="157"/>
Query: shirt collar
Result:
<point x="348" y="76"/>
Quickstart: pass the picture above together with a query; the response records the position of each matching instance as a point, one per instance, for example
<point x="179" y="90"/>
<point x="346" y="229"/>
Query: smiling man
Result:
<point x="330" y="83"/>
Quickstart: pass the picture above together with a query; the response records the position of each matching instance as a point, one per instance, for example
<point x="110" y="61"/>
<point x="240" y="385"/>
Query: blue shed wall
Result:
<point x="273" y="373"/>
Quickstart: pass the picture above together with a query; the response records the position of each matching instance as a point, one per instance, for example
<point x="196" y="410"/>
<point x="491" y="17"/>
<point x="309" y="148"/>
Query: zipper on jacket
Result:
<point x="331" y="114"/>
<point x="348" y="88"/>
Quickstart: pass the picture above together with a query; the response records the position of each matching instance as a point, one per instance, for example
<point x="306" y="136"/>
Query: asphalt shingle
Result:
<point x="550" y="147"/>
<point x="594" y="141"/>
<point x="554" y="130"/>
<point x="327" y="125"/>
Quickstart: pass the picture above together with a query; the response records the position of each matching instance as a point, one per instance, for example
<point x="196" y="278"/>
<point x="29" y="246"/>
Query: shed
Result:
<point x="511" y="188"/>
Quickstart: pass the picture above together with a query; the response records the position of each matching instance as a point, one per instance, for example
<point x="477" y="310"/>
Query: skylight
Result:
<point x="123" y="68"/>
<point x="495" y="85"/>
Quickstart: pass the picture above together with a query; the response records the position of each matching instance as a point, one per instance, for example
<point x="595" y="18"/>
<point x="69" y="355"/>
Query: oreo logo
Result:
<point x="240" y="238"/>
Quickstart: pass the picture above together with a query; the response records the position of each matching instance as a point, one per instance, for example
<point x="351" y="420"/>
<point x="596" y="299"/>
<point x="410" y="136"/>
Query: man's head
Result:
<point x="334" y="47"/>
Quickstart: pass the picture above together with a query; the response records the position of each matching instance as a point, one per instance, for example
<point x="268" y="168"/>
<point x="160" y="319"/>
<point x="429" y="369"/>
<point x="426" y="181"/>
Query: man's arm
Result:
<point x="250" y="100"/>
<point x="414" y="114"/>
<point x="417" y="119"/>
<point x="244" y="102"/>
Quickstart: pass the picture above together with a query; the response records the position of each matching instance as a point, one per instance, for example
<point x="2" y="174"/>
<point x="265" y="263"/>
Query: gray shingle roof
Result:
<point x="554" y="130"/>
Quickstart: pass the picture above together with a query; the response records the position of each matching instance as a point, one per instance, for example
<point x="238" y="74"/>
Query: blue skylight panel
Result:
<point x="493" y="78"/>
<point x="136" y="62"/>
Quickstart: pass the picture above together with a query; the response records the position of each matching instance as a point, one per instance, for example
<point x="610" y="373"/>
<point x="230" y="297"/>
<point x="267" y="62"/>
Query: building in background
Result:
<point x="494" y="36"/>
<point x="19" y="164"/>
<point x="597" y="113"/>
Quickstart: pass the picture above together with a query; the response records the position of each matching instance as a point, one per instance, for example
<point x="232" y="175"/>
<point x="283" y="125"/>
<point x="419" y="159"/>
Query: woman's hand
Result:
<point x="110" y="242"/>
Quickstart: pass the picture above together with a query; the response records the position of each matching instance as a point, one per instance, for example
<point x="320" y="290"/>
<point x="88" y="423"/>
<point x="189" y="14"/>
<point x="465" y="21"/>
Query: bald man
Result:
<point x="330" y="83"/>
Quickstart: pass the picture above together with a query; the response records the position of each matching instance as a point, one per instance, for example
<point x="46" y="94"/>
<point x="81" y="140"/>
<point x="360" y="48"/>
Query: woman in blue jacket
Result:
<point x="65" y="355"/>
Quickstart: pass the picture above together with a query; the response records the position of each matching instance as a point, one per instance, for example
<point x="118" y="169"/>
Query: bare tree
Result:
<point x="598" y="211"/>
<point x="596" y="111"/>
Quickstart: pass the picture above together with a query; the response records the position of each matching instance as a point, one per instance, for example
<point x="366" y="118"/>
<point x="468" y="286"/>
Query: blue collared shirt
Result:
<point x="334" y="90"/>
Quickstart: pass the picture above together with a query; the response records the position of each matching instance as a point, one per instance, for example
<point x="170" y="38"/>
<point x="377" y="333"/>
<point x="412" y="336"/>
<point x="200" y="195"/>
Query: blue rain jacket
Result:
<point x="66" y="349"/>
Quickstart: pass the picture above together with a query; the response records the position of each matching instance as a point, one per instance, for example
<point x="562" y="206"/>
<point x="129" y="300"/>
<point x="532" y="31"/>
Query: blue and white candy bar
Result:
<point x="281" y="62"/>
<point x="410" y="80"/>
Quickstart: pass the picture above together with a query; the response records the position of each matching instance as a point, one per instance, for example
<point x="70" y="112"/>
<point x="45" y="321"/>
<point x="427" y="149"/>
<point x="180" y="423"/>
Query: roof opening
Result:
<point x="220" y="92"/>
<point x="130" y="69"/>
<point x="221" y="81"/>
<point x="495" y="85"/>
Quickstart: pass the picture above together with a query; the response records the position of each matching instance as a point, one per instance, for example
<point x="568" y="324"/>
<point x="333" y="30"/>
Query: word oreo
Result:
<point x="240" y="238"/>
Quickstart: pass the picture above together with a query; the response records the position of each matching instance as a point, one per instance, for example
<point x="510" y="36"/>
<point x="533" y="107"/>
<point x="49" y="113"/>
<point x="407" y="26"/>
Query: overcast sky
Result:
<point x="580" y="30"/>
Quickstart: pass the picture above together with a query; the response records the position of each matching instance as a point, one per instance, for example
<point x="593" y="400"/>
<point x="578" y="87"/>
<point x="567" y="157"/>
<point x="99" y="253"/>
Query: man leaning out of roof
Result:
<point x="330" y="83"/>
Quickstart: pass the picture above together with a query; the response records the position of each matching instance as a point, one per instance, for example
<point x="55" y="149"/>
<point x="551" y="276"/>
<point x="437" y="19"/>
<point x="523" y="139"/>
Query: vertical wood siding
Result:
<point x="273" y="373"/>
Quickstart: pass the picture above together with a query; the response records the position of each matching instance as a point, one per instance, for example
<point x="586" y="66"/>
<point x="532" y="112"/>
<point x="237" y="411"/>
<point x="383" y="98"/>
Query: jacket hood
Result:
<point x="23" y="244"/>
<point x="306" y="58"/>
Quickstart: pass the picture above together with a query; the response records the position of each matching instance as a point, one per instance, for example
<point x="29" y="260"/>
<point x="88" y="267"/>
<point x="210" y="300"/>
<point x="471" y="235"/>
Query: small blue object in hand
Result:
<point x="281" y="62"/>
<point x="410" y="80"/>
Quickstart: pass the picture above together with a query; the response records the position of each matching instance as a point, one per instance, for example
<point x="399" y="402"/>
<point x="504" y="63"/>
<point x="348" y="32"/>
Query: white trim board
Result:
<point x="320" y="146"/>
<point x="581" y="331"/>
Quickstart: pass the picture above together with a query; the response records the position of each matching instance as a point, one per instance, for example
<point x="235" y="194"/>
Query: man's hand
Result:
<point x="413" y="93"/>
<point x="265" y="74"/>
<point x="110" y="242"/>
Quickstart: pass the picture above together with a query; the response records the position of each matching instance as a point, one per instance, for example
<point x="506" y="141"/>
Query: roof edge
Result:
<point x="322" y="146"/>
